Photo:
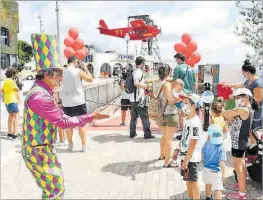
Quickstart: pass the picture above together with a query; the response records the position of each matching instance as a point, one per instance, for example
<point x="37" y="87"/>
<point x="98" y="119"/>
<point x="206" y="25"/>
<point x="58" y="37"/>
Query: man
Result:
<point x="41" y="118"/>
<point x="186" y="73"/>
<point x="73" y="97"/>
<point x="137" y="101"/>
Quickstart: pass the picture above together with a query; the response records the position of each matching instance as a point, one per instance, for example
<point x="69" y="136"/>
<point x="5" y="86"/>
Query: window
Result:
<point x="4" y="36"/>
<point x="5" y="61"/>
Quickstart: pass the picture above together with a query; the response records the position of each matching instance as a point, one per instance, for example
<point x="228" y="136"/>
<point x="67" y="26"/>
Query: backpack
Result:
<point x="129" y="83"/>
<point x="155" y="110"/>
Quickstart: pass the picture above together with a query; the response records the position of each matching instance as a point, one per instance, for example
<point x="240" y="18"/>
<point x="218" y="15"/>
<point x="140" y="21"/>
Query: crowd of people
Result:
<point x="179" y="104"/>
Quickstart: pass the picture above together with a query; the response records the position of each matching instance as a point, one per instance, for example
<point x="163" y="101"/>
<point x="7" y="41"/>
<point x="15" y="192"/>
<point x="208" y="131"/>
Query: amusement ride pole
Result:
<point x="58" y="35"/>
<point x="127" y="39"/>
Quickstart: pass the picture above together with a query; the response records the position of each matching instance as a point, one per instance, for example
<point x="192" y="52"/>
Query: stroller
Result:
<point x="253" y="157"/>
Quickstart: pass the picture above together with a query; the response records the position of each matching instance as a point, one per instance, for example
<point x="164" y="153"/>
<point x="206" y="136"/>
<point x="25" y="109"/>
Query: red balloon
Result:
<point x="186" y="54"/>
<point x="195" y="57"/>
<point x="192" y="46"/>
<point x="186" y="38"/>
<point x="86" y="50"/>
<point x="80" y="54"/>
<point x="74" y="33"/>
<point x="180" y="47"/>
<point x="78" y="44"/>
<point x="68" y="52"/>
<point x="68" y="41"/>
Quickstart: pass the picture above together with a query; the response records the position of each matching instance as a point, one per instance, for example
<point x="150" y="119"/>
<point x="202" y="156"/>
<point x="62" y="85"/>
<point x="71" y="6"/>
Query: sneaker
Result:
<point x="84" y="148"/>
<point x="70" y="147"/>
<point x="63" y="143"/>
<point x="122" y="124"/>
<point x="149" y="137"/>
<point x="236" y="196"/>
<point x="10" y="136"/>
<point x="15" y="137"/>
<point x="234" y="187"/>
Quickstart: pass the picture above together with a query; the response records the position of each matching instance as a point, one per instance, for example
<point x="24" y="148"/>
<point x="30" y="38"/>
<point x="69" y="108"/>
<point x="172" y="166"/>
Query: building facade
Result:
<point x="9" y="21"/>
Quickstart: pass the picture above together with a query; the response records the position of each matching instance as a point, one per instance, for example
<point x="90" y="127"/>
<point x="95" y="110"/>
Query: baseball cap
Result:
<point x="194" y="98"/>
<point x="216" y="134"/>
<point x="241" y="91"/>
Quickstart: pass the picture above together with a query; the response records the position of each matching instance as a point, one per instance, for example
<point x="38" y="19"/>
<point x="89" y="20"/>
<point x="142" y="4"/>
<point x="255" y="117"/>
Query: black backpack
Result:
<point x="129" y="83"/>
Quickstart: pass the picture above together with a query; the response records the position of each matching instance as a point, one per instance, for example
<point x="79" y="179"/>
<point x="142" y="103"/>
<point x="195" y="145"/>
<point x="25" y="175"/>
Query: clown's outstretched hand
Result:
<point x="99" y="115"/>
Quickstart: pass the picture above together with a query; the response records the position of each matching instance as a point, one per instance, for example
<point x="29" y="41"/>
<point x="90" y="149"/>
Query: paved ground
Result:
<point x="116" y="167"/>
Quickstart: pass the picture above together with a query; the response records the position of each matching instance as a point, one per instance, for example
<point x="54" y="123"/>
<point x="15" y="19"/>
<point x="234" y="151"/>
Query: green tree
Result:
<point x="251" y="29"/>
<point x="25" y="53"/>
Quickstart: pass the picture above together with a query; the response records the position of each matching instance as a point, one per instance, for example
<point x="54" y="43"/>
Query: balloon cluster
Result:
<point x="188" y="48"/>
<point x="74" y="46"/>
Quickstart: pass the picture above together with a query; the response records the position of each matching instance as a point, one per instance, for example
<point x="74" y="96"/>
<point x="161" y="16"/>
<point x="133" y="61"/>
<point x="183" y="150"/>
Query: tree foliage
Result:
<point x="25" y="51"/>
<point x="251" y="29"/>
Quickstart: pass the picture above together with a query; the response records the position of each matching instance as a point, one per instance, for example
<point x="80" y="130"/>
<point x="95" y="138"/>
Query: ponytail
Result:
<point x="253" y="103"/>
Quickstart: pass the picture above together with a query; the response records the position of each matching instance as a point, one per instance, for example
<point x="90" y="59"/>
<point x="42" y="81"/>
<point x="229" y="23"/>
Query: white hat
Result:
<point x="241" y="91"/>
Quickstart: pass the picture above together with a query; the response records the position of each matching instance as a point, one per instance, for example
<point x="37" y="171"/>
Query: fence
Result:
<point x="99" y="95"/>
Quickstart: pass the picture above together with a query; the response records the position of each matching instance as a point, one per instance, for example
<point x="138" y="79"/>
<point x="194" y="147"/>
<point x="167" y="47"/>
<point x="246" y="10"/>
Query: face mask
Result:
<point x="185" y="109"/>
<point x="239" y="102"/>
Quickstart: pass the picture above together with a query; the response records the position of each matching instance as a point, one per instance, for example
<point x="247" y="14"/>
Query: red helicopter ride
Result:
<point x="138" y="30"/>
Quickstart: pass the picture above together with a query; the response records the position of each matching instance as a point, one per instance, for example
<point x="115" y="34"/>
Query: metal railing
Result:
<point x="99" y="95"/>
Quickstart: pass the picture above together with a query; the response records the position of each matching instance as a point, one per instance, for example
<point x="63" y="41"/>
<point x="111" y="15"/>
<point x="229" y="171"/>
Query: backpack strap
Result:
<point x="135" y="91"/>
<point x="160" y="90"/>
<point x="185" y="72"/>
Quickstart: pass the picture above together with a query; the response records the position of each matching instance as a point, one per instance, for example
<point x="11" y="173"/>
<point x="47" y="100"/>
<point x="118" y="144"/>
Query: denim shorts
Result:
<point x="12" y="108"/>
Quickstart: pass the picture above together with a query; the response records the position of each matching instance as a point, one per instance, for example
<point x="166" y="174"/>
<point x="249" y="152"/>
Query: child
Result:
<point x="190" y="151"/>
<point x="217" y="116"/>
<point x="177" y="88"/>
<point x="242" y="117"/>
<point x="214" y="156"/>
<point x="11" y="99"/>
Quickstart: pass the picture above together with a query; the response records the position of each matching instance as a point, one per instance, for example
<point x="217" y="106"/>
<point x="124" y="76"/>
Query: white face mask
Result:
<point x="240" y="102"/>
<point x="186" y="109"/>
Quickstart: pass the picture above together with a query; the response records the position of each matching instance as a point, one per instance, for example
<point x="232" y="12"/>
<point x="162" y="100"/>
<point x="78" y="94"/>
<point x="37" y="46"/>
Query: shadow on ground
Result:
<point x="119" y="138"/>
<point x="130" y="169"/>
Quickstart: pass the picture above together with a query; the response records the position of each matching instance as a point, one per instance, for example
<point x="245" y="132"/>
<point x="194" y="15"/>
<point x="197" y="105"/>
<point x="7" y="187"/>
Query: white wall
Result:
<point x="100" y="58"/>
<point x="231" y="73"/>
<point x="13" y="59"/>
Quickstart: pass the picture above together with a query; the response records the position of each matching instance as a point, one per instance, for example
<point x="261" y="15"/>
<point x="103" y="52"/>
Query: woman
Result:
<point x="170" y="113"/>
<point x="255" y="85"/>
<point x="242" y="117"/>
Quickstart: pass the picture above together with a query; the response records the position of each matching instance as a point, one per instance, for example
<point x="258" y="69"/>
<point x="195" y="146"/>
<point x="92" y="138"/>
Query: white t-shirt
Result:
<point x="192" y="130"/>
<point x="72" y="93"/>
<point x="137" y="77"/>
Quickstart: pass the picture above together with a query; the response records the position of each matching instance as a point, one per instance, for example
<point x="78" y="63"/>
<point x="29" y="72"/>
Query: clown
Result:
<point x="41" y="118"/>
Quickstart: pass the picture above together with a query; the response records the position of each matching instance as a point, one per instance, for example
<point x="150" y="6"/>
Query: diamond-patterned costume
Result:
<point x="38" y="153"/>
<point x="41" y="117"/>
<point x="44" y="50"/>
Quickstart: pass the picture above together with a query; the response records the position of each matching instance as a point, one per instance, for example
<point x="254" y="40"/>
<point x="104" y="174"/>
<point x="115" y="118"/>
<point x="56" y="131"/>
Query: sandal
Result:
<point x="161" y="158"/>
<point x="167" y="166"/>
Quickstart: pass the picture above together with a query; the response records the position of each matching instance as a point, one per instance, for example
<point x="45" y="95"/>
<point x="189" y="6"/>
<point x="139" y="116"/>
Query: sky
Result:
<point x="210" y="23"/>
